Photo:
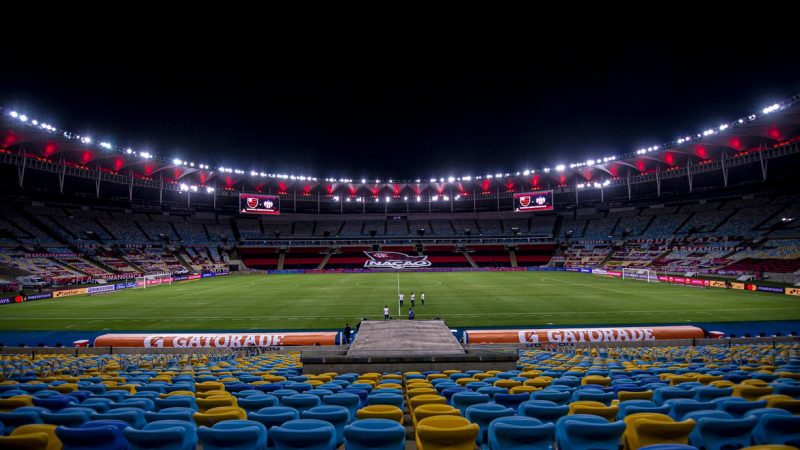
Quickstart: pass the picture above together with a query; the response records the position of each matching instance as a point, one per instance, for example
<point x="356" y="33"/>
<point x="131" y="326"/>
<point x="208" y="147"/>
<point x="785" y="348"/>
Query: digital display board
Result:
<point x="259" y="204"/>
<point x="533" y="201"/>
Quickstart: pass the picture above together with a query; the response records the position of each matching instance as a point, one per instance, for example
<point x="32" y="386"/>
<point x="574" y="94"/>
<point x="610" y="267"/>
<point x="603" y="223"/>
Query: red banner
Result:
<point x="220" y="340"/>
<point x="575" y="335"/>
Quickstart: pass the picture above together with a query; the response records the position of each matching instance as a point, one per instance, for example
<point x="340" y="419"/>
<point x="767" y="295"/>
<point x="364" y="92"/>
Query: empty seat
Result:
<point x="53" y="443"/>
<point x="163" y="435"/>
<point x="233" y="435"/>
<point x="375" y="434"/>
<point x="483" y="414"/>
<point x="446" y="432"/>
<point x="308" y="434"/>
<point x="718" y="433"/>
<point x="380" y="412"/>
<point x="585" y="432"/>
<point x="94" y="437"/>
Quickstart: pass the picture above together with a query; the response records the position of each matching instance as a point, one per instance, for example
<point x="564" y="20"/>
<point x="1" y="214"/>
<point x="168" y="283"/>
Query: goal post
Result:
<point x="155" y="279"/>
<point x="648" y="275"/>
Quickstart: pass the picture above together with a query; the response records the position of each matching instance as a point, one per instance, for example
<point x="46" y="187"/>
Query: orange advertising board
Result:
<point x="216" y="340"/>
<point x="792" y="291"/>
<point x="576" y="335"/>
<point x="69" y="292"/>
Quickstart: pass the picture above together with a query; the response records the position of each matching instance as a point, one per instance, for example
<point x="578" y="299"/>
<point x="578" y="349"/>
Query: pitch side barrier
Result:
<point x="216" y="340"/>
<point x="582" y="335"/>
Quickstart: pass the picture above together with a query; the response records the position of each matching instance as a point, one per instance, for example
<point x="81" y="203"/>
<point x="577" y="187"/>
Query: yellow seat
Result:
<point x="507" y="384"/>
<point x="11" y="403"/>
<point x="426" y="399"/>
<point x="273" y="378"/>
<point x="215" y="401"/>
<point x="388" y="386"/>
<point x="675" y="380"/>
<point x="219" y="414"/>
<point x="129" y="388"/>
<point x="783" y="402"/>
<point x="596" y="379"/>
<point x="594" y="408"/>
<point x="209" y="386"/>
<point x="322" y="378"/>
<point x="722" y="383"/>
<point x="436" y="376"/>
<point x="366" y="381"/>
<point x="446" y="433"/>
<point x="482" y="376"/>
<point x="530" y="374"/>
<point x="53" y="442"/>
<point x="433" y="409"/>
<point x="449" y="372"/>
<point x="392" y="376"/>
<point x="706" y="379"/>
<point x="539" y="382"/>
<point x="411" y="393"/>
<point x="65" y="388"/>
<point x="464" y="381"/>
<point x="644" y="431"/>
<point x="207" y="394"/>
<point x="755" y="382"/>
<point x="750" y="392"/>
<point x="625" y="395"/>
<point x="33" y="441"/>
<point x="390" y="412"/>
<point x="419" y="384"/>
<point x="522" y="389"/>
<point x="170" y="394"/>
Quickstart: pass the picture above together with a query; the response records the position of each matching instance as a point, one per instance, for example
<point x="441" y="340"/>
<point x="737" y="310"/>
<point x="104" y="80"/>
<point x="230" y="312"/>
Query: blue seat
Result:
<point x="385" y="399"/>
<point x="483" y="414"/>
<point x="623" y="406"/>
<point x="491" y="391"/>
<point x="16" y="419"/>
<point x="708" y="393"/>
<point x="175" y="401"/>
<point x="594" y="395"/>
<point x="96" y="437"/>
<point x="163" y="435"/>
<point x="281" y="393"/>
<point x="301" y="402"/>
<point x="333" y="387"/>
<point x="375" y="434"/>
<point x="738" y="407"/>
<point x="182" y="414"/>
<point x="475" y="385"/>
<point x="759" y="436"/>
<point x="361" y="393"/>
<point x="559" y="397"/>
<point x="308" y="434"/>
<point x="717" y="433"/>
<point x="133" y="416"/>
<point x="257" y="402"/>
<point x="520" y="433"/>
<point x="464" y="399"/>
<point x="679" y="407"/>
<point x="512" y="400"/>
<point x="543" y="410"/>
<point x="694" y="437"/>
<point x="349" y="400"/>
<point x="336" y="415"/>
<point x="70" y="417"/>
<point x="55" y="403"/>
<point x="778" y="429"/>
<point x="233" y="435"/>
<point x="663" y="394"/>
<point x="142" y="403"/>
<point x="448" y="393"/>
<point x="792" y="390"/>
<point x="273" y="416"/>
<point x="588" y="432"/>
<point x="668" y="447"/>
<point x="321" y="393"/>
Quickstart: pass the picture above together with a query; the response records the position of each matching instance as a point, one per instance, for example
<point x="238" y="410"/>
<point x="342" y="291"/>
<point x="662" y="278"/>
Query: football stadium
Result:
<point x="642" y="298"/>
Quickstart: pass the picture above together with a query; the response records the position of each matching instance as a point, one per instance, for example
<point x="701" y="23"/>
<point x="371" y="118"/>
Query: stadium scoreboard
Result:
<point x="533" y="201"/>
<point x="259" y="204"/>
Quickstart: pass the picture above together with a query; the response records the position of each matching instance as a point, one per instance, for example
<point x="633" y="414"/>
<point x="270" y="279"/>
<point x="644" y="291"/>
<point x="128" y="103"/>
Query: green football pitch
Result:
<point x="327" y="301"/>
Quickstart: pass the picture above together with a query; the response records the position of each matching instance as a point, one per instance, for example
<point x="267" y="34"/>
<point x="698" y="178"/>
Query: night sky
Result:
<point x="403" y="107"/>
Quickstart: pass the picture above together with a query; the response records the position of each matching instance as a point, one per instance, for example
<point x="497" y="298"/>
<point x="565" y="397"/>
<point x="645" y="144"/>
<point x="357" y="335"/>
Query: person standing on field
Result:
<point x="386" y="312"/>
<point x="422" y="298"/>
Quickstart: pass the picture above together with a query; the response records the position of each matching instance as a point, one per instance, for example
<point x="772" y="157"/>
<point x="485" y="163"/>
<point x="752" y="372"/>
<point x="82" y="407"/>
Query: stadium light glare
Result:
<point x="451" y="179"/>
<point x="336" y="198"/>
<point x="458" y="197"/>
<point x="741" y="121"/>
<point x="498" y="175"/>
<point x="417" y="180"/>
<point x="405" y="198"/>
<point x="193" y="188"/>
<point x="723" y="127"/>
<point x="433" y="180"/>
<point x="184" y="187"/>
<point x="13" y="114"/>
<point x="347" y="199"/>
<point x="23" y="118"/>
<point x="105" y="145"/>
<point x="388" y="199"/>
<point x="467" y="178"/>
<point x="363" y="180"/>
<point x="146" y="155"/>
<point x="546" y="170"/>
<point x="559" y="168"/>
<point x="209" y="190"/>
<point x="419" y="199"/>
<point x="445" y="198"/>
<point x="177" y="162"/>
<point x="526" y="172"/>
<point x="489" y="176"/>
<point x="441" y="180"/>
<point x="34" y="122"/>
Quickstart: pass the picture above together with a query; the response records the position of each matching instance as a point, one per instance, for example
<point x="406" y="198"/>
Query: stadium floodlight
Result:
<point x="435" y="198"/>
<point x="105" y="145"/>
<point x="445" y="198"/>
<point x="606" y="183"/>
<point x="741" y="121"/>
<point x="146" y="155"/>
<point x="193" y="188"/>
<point x="590" y="162"/>
<point x="526" y="172"/>
<point x="723" y="127"/>
<point x="546" y="170"/>
<point x="191" y="164"/>
<point x="467" y="178"/>
<point x="559" y="168"/>
<point x="35" y="122"/>
<point x="253" y="173"/>
<point x="184" y="187"/>
<point x="458" y="197"/>
<point x="209" y="190"/>
<point x="419" y="199"/>
<point x="489" y="176"/>
<point x="498" y="175"/>
<point x="680" y="141"/>
<point x="363" y="180"/>
<point x="451" y="179"/>
<point x="417" y="180"/>
<point x="347" y="199"/>
<point x="86" y="140"/>
<point x="388" y="199"/>
<point x="441" y="180"/>
<point x="405" y="198"/>
<point x="177" y="162"/>
<point x="129" y="150"/>
<point x="23" y="118"/>
<point x="771" y="109"/>
<point x="13" y="114"/>
<point x="336" y="198"/>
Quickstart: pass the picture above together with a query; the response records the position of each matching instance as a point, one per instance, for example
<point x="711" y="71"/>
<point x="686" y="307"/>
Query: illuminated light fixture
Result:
<point x="708" y="132"/>
<point x="177" y="162"/>
<point x="377" y="199"/>
<point x="191" y="164"/>
<point x="606" y="183"/>
<point x="417" y="180"/>
<point x="184" y="187"/>
<point x="451" y="179"/>
<point x="445" y="198"/>
<point x="358" y="199"/>
<point x="209" y="190"/>
<point x="347" y="199"/>
<point x="390" y="181"/>
<point x="441" y="180"/>
<point x="458" y="197"/>
<point x="723" y="127"/>
<point x="363" y="180"/>
<point x="680" y="141"/>
<point x="377" y="181"/>
<point x="467" y="178"/>
<point x="193" y="188"/>
<point x="435" y="198"/>
<point x="419" y="199"/>
<point x="489" y="176"/>
<point x="559" y="168"/>
<point x="498" y="175"/>
<point x="517" y="174"/>
<point x="405" y="198"/>
<point x="546" y="170"/>
<point x="146" y="155"/>
<point x="526" y="172"/>
<point x="129" y="150"/>
<point x="336" y="198"/>
<point x="35" y="122"/>
<point x="86" y="140"/>
<point x="388" y="199"/>
<point x="433" y="180"/>
<point x="23" y="118"/>
<point x="105" y="145"/>
<point x="253" y="173"/>
<point x="13" y="114"/>
<point x="770" y="109"/>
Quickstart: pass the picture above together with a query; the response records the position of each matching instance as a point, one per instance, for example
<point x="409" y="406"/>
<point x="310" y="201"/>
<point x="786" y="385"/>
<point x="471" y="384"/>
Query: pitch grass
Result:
<point x="283" y="302"/>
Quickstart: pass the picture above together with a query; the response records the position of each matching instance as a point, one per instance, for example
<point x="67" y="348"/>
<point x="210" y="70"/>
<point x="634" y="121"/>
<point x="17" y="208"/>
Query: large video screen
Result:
<point x="533" y="201"/>
<point x="259" y="204"/>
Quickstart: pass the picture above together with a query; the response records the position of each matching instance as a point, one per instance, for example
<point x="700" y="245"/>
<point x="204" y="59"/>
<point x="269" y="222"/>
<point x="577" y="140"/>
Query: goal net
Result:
<point x="640" y="274"/>
<point x="155" y="279"/>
